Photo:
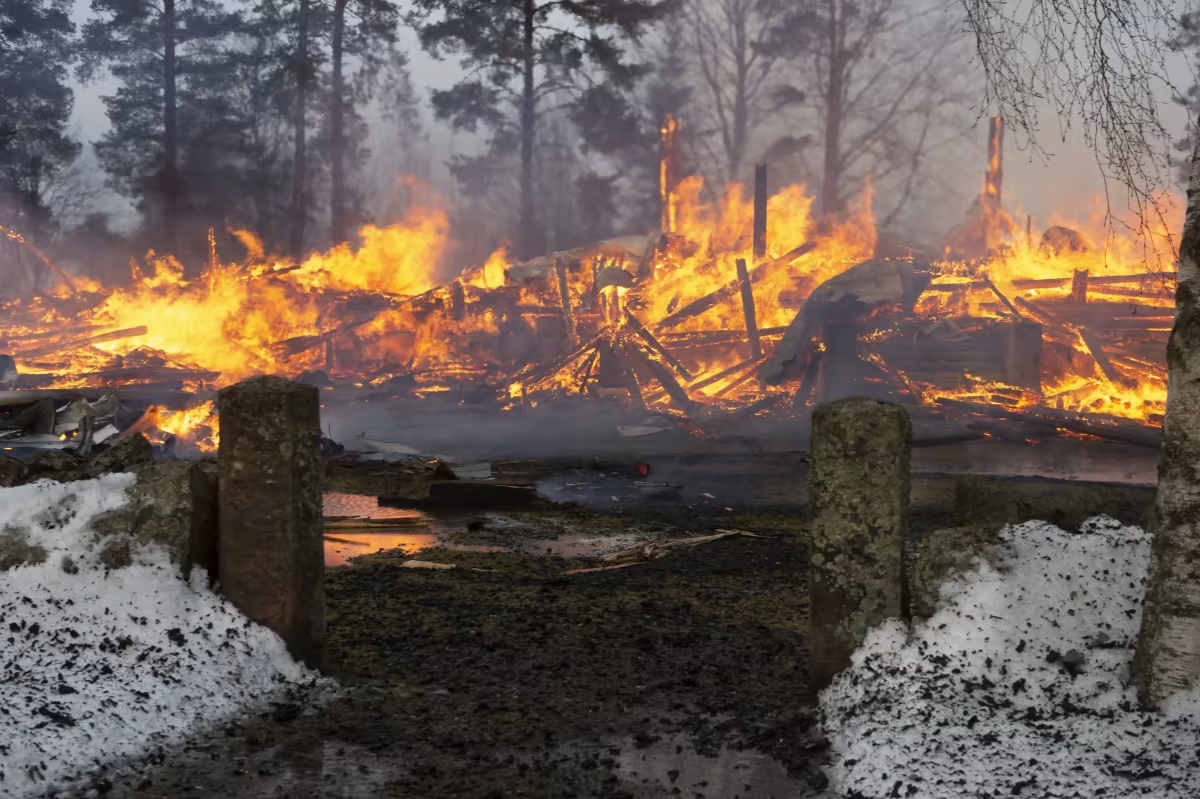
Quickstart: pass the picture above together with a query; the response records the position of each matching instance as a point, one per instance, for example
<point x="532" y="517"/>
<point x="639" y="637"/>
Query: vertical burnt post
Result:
<point x="458" y="301"/>
<point x="329" y="356"/>
<point x="1079" y="287"/>
<point x="992" y="182"/>
<point x="670" y="171"/>
<point x="760" y="212"/>
<point x="840" y="364"/>
<point x="748" y="308"/>
<point x="271" y="558"/>
<point x="564" y="297"/>
<point x="1029" y="232"/>
<point x="1023" y="355"/>
<point x="859" y="493"/>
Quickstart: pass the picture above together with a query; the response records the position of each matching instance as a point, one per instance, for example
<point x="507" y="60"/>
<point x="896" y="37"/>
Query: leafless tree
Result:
<point x="887" y="87"/>
<point x="742" y="72"/>
<point x="1099" y="66"/>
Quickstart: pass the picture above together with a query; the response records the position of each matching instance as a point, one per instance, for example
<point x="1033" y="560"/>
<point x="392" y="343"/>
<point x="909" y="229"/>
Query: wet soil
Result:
<point x="505" y="677"/>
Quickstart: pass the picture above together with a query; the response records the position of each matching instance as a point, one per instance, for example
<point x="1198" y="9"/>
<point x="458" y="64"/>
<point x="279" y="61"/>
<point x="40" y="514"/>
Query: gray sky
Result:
<point x="1068" y="182"/>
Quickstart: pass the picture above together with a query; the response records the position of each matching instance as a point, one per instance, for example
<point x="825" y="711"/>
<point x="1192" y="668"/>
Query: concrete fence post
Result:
<point x="272" y="564"/>
<point x="859" y="485"/>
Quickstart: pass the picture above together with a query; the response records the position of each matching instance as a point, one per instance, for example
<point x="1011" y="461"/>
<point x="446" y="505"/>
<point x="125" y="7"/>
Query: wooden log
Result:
<point x="760" y="212"/>
<point x="760" y="272"/>
<point x="748" y="308"/>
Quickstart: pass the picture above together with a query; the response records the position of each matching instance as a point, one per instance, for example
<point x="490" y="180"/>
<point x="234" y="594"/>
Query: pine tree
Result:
<point x="176" y="140"/>
<point x="36" y="48"/>
<point x="516" y="52"/>
<point x="370" y="42"/>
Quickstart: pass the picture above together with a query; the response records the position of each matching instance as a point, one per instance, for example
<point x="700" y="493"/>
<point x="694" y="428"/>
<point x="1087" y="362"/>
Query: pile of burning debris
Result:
<point x="708" y="321"/>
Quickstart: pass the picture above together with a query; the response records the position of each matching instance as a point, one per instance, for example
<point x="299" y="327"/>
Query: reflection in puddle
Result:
<point x="422" y="530"/>
<point x="337" y="504"/>
<point x="341" y="545"/>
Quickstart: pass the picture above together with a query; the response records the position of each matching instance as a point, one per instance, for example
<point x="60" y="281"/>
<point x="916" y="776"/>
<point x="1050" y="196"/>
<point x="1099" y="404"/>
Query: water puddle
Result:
<point x="672" y="766"/>
<point x="416" y="530"/>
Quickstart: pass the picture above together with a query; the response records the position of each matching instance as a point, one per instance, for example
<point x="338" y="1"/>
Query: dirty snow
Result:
<point x="1018" y="686"/>
<point x="98" y="667"/>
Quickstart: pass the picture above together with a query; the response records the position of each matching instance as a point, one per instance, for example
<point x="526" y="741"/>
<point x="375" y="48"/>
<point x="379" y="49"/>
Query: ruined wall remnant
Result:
<point x="269" y="507"/>
<point x="859" y="490"/>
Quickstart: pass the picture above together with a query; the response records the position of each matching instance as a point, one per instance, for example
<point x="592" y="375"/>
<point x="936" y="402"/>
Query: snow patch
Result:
<point x="99" y="666"/>
<point x="1018" y="685"/>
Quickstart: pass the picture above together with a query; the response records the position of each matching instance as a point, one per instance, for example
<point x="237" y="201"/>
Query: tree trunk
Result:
<point x="337" y="200"/>
<point x="741" y="105"/>
<point x="530" y="245"/>
<point x="830" y="205"/>
<point x="170" y="167"/>
<point x="300" y="123"/>
<point x="1168" y="651"/>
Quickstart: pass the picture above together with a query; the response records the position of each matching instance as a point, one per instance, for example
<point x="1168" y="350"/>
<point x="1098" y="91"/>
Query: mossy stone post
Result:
<point x="272" y="564"/>
<point x="859" y="489"/>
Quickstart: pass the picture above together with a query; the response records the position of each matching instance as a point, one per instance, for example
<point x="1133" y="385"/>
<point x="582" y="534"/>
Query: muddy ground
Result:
<point x="506" y="677"/>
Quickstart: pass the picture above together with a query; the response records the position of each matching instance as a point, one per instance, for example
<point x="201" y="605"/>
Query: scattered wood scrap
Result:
<point x="655" y="550"/>
<point x="425" y="564"/>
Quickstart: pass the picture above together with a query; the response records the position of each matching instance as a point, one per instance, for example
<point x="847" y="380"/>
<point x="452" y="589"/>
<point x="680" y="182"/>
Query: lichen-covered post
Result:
<point x="859" y="491"/>
<point x="272" y="564"/>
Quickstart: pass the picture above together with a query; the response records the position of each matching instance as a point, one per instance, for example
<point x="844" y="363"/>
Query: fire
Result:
<point x="671" y="312"/>
<point x="198" y="427"/>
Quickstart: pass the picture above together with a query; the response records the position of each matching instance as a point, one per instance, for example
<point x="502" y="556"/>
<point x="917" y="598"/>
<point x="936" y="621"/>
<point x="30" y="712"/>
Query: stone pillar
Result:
<point x="272" y="563"/>
<point x="859" y="490"/>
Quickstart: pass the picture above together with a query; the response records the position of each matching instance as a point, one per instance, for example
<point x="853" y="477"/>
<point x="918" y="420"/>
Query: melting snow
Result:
<point x="100" y="666"/>
<point x="1018" y="686"/>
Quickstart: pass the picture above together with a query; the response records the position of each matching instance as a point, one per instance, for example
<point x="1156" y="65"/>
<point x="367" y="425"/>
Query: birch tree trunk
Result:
<point x="1168" y="651"/>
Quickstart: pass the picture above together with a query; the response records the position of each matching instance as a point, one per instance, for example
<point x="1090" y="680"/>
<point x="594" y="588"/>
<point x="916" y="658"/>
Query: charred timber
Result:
<point x="748" y="308"/>
<point x="645" y="335"/>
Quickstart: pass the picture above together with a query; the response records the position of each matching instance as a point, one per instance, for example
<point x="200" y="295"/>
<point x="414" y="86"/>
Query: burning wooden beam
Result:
<point x="748" y="308"/>
<point x="74" y="344"/>
<point x="724" y="373"/>
<point x="760" y="272"/>
<point x="746" y="378"/>
<point x="564" y="297"/>
<point x="645" y="335"/>
<point x="1059" y="282"/>
<point x="671" y="172"/>
<point x="760" y="211"/>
